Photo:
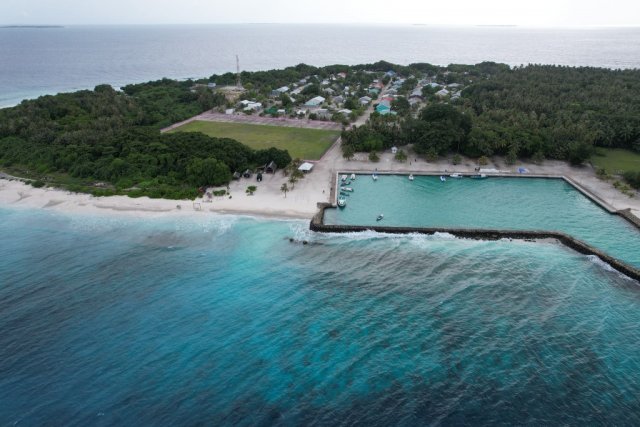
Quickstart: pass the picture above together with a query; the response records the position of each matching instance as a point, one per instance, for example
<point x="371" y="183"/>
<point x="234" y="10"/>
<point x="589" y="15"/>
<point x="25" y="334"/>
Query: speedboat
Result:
<point x="479" y="176"/>
<point x="344" y="178"/>
<point x="353" y="177"/>
<point x="443" y="178"/>
<point x="342" y="202"/>
<point x="349" y="189"/>
<point x="456" y="175"/>
<point x="411" y="177"/>
<point x="375" y="177"/>
<point x="380" y="217"/>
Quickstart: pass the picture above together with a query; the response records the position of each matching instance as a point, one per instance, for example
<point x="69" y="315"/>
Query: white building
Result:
<point x="315" y="102"/>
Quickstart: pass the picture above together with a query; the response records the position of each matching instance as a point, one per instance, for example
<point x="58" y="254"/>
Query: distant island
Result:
<point x="31" y="26"/>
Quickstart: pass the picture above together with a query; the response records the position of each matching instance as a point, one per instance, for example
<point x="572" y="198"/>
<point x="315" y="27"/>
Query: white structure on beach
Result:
<point x="306" y="167"/>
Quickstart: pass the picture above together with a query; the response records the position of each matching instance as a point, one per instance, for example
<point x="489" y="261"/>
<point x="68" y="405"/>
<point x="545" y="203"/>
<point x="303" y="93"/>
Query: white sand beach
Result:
<point x="302" y="201"/>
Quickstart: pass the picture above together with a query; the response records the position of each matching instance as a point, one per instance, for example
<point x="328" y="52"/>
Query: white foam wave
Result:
<point x="607" y="267"/>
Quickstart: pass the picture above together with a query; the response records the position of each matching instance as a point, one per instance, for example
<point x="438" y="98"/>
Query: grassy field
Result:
<point x="308" y="144"/>
<point x="616" y="160"/>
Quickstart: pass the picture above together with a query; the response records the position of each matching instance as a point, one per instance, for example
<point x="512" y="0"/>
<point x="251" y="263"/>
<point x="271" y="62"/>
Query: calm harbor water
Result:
<point x="223" y="321"/>
<point x="492" y="203"/>
<point x="36" y="61"/>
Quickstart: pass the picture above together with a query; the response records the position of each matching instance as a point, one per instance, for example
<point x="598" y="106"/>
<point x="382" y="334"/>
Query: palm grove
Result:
<point x="537" y="112"/>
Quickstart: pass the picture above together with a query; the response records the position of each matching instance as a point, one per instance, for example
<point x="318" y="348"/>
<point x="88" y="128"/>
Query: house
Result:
<point x="374" y="90"/>
<point x="271" y="167"/>
<point x="229" y="111"/>
<point x="277" y="92"/>
<point x="329" y="91"/>
<point x="390" y="73"/>
<point x="337" y="100"/>
<point x="342" y="75"/>
<point x="417" y="93"/>
<point x="414" y="101"/>
<point x="345" y="112"/>
<point x="383" y="108"/>
<point x="282" y="111"/>
<point x="211" y="85"/>
<point x="250" y="105"/>
<point x="306" y="167"/>
<point x="394" y="150"/>
<point x="392" y="91"/>
<point x="323" y="113"/>
<point x="314" y="102"/>
<point x="365" y="100"/>
<point x="454" y="85"/>
<point x="442" y="93"/>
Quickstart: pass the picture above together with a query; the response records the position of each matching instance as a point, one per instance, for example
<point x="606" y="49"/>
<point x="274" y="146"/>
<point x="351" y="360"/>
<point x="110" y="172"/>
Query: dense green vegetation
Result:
<point x="107" y="141"/>
<point x="302" y="143"/>
<point x="76" y="139"/>
<point x="530" y="112"/>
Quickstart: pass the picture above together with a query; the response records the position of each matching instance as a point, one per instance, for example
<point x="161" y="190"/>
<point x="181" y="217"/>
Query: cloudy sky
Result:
<point x="460" y="12"/>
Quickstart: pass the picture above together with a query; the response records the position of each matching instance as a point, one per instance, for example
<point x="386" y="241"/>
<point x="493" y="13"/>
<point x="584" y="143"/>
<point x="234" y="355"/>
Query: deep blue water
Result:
<point x="223" y="321"/>
<point x="50" y="60"/>
<point x="493" y="203"/>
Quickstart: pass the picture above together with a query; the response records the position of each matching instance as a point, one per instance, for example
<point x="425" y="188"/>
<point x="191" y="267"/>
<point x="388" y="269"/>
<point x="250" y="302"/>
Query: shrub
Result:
<point x="37" y="183"/>
<point x="373" y="156"/>
<point x="401" y="156"/>
<point x="456" y="159"/>
<point x="483" y="161"/>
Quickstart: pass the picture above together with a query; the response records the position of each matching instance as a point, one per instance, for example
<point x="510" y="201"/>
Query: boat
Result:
<point x="411" y="177"/>
<point x="478" y="176"/>
<point x="346" y="189"/>
<point x="443" y="178"/>
<point x="346" y="182"/>
<point x="375" y="177"/>
<point x="353" y="177"/>
<point x="456" y="175"/>
<point x="343" y="194"/>
<point x="380" y="217"/>
<point x="342" y="202"/>
<point x="344" y="178"/>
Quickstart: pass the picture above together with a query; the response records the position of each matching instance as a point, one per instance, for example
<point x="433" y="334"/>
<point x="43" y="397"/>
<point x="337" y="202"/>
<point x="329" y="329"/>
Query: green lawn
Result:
<point x="616" y="160"/>
<point x="308" y="144"/>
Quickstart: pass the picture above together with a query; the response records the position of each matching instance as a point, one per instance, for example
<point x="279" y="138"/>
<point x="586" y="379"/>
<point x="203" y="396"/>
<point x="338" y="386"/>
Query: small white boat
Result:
<point x="346" y="189"/>
<point x="479" y="176"/>
<point x="342" y="202"/>
<point x="375" y="177"/>
<point x="456" y="175"/>
<point x="411" y="177"/>
<point x="344" y="178"/>
<point x="353" y="177"/>
<point x="380" y="217"/>
<point x="443" y="178"/>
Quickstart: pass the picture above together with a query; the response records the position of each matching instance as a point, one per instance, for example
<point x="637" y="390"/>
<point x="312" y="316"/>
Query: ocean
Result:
<point x="37" y="61"/>
<point x="222" y="320"/>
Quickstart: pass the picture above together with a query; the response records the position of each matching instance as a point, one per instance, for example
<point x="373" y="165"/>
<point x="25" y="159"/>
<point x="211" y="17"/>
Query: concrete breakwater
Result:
<point x="317" y="224"/>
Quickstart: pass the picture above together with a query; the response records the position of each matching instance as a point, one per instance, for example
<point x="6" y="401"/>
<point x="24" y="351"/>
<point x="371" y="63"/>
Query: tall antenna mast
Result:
<point x="238" y="82"/>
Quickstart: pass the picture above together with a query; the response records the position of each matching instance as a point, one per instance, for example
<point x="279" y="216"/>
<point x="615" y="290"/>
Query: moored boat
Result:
<point x="478" y="176"/>
<point x="379" y="218"/>
<point x="375" y="177"/>
<point x="346" y="189"/>
<point x="353" y="177"/>
<point x="411" y="177"/>
<point x="443" y="178"/>
<point x="342" y="202"/>
<point x="456" y="175"/>
<point x="343" y="178"/>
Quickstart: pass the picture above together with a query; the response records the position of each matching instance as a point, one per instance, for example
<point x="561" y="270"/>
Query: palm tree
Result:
<point x="284" y="188"/>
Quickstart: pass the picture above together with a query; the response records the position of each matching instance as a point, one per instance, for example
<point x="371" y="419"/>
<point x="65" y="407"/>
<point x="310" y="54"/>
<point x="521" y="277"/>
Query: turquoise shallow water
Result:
<point x="223" y="321"/>
<point x="492" y="203"/>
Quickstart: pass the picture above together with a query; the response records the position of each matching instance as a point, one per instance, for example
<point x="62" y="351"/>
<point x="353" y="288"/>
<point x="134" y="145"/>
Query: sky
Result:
<point x="544" y="13"/>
